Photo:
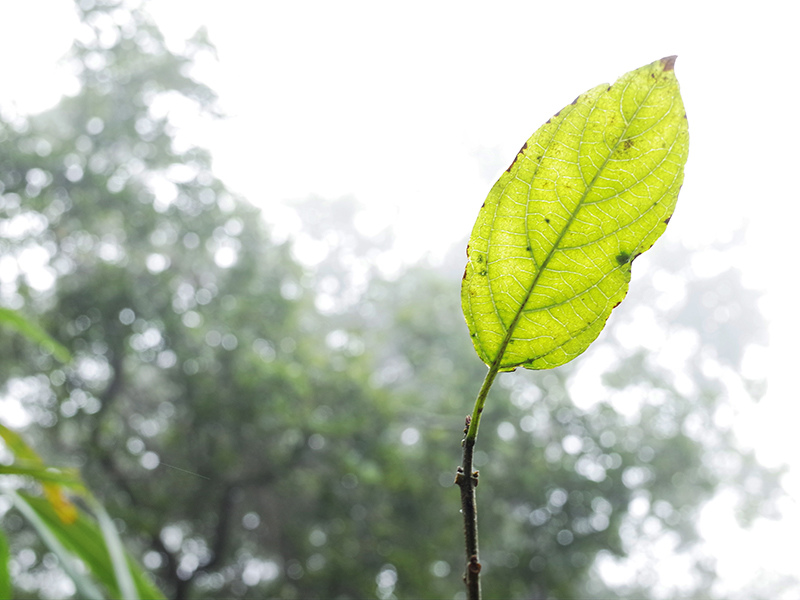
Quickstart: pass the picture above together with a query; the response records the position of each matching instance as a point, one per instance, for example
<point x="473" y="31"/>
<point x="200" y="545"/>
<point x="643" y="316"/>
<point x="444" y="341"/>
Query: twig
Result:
<point x="469" y="508"/>
<point x="467" y="481"/>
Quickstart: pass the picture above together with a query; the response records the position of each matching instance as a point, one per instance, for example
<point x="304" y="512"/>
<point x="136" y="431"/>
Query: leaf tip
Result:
<point x="669" y="62"/>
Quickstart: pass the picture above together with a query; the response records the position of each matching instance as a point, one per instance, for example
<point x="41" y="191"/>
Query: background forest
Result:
<point x="260" y="427"/>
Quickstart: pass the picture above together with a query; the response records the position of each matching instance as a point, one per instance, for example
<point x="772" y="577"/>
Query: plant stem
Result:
<point x="467" y="481"/>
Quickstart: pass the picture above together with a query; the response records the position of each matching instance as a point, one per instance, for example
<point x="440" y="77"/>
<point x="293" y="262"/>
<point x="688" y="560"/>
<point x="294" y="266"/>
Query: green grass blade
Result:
<point x="99" y="547"/>
<point x="65" y="477"/>
<point x="550" y="254"/>
<point x="5" y="576"/>
<point x="20" y="448"/>
<point x="85" y="539"/>
<point x="85" y="587"/>
<point x="33" y="332"/>
<point x="122" y="569"/>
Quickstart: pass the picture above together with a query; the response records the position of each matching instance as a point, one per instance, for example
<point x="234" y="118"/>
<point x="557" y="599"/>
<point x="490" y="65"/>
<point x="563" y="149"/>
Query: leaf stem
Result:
<point x="467" y="481"/>
<point x="480" y="401"/>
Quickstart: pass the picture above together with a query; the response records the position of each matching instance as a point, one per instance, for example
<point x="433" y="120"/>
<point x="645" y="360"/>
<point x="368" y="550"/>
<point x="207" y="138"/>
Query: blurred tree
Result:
<point x="202" y="401"/>
<point x="264" y="428"/>
<point x="611" y="457"/>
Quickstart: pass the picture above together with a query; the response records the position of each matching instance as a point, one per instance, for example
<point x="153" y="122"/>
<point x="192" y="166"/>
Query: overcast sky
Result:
<point x="415" y="108"/>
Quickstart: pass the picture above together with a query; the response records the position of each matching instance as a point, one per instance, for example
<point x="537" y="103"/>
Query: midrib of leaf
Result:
<point x="579" y="205"/>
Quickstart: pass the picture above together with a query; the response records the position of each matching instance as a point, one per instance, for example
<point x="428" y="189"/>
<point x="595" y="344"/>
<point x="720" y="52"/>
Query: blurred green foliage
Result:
<point x="264" y="428"/>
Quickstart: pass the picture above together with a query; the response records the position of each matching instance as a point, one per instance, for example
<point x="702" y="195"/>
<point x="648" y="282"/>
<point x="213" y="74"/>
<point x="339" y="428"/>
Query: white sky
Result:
<point x="415" y="108"/>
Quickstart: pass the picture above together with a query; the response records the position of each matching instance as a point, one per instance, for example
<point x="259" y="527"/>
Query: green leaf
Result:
<point x="116" y="551"/>
<point x="5" y="576"/>
<point x="34" y="333"/>
<point x="66" y="477"/>
<point x="86" y="541"/>
<point x="550" y="254"/>
<point x="48" y="530"/>
<point x="20" y="448"/>
<point x="28" y="462"/>
<point x="65" y="530"/>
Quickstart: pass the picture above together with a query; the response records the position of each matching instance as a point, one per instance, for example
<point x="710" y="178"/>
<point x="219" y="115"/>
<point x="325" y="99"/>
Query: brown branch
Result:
<point x="109" y="394"/>
<point x="222" y="531"/>
<point x="467" y="481"/>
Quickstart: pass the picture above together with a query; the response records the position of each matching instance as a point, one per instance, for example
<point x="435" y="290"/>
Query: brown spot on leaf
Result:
<point x="467" y="250"/>
<point x="574" y="102"/>
<point x="616" y="305"/>
<point x="669" y="62"/>
<point x="666" y="221"/>
<point x="609" y="89"/>
<point x="464" y="276"/>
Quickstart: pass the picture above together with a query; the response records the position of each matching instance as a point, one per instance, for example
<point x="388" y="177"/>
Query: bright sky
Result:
<point x="415" y="108"/>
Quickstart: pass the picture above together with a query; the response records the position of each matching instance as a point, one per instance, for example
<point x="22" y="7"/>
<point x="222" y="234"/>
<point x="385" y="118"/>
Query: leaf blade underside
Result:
<point x="550" y="253"/>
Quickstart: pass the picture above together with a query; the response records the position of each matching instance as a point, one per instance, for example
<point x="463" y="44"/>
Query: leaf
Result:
<point x="65" y="530"/>
<point x="87" y="541"/>
<point x="48" y="531"/>
<point x="34" y="333"/>
<point x="550" y="254"/>
<point x="66" y="477"/>
<point x="5" y="576"/>
<point x="28" y="462"/>
<point x="20" y="448"/>
<point x="120" y="564"/>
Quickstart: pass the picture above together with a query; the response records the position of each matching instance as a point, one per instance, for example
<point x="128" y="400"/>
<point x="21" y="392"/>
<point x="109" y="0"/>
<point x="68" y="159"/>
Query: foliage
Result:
<point x="14" y="320"/>
<point x="66" y="532"/>
<point x="71" y="534"/>
<point x="550" y="255"/>
<point x="264" y="428"/>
